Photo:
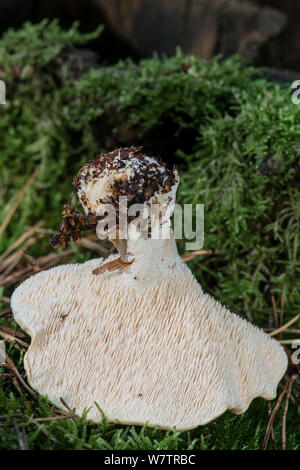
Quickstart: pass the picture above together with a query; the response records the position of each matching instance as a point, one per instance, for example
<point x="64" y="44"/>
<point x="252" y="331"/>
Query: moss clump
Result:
<point x="235" y="138"/>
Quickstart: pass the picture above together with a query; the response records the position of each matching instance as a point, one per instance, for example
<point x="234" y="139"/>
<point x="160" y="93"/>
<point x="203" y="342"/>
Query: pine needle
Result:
<point x="290" y="341"/>
<point x="285" y="326"/>
<point x="286" y="406"/>
<point x="117" y="264"/>
<point x="21" y="239"/>
<point x="17" y="201"/>
<point x="189" y="256"/>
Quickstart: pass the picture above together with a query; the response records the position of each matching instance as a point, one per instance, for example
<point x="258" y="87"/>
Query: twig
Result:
<point x="66" y="405"/>
<point x="11" y="331"/>
<point x="93" y="246"/>
<point x="55" y="418"/>
<point x="36" y="421"/>
<point x="13" y="415"/>
<point x="285" y="326"/>
<point x="48" y="259"/>
<point x="46" y="231"/>
<point x="10" y="364"/>
<point x="272" y="430"/>
<point x="117" y="264"/>
<point x="249" y="316"/>
<point x="17" y="201"/>
<point x="21" y="239"/>
<point x="290" y="341"/>
<point x="274" y="310"/>
<point x="287" y="331"/>
<point x="44" y="262"/>
<point x="5" y="313"/>
<point x="286" y="406"/>
<point x="281" y="312"/>
<point x="61" y="412"/>
<point x="273" y="414"/>
<point x="22" y="438"/>
<point x="189" y="256"/>
<point x="9" y="263"/>
<point x="13" y="339"/>
<point x="47" y="433"/>
<point x="16" y="385"/>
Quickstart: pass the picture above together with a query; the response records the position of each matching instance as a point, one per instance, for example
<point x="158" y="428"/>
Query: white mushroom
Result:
<point x="145" y="343"/>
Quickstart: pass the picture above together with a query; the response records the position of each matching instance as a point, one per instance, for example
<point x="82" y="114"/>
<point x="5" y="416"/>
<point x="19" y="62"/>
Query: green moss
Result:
<point x="235" y="139"/>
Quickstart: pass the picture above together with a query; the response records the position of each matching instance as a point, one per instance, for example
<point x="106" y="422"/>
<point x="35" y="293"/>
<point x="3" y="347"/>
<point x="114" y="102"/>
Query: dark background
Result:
<point x="267" y="32"/>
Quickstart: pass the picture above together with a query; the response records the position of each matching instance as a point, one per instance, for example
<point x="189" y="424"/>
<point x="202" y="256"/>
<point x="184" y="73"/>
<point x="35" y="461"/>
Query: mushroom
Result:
<point x="145" y="343"/>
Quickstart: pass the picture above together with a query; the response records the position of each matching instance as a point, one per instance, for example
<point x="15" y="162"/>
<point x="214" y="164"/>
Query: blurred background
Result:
<point x="263" y="31"/>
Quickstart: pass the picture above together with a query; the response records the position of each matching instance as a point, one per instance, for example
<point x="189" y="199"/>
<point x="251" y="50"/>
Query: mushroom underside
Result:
<point x="165" y="354"/>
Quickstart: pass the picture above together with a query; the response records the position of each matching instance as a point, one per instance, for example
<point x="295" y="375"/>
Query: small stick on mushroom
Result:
<point x="117" y="264"/>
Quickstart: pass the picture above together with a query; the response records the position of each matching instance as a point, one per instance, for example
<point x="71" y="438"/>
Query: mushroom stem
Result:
<point x="121" y="246"/>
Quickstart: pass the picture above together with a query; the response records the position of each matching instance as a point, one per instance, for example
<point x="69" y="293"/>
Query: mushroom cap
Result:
<point x="124" y="172"/>
<point x="160" y="352"/>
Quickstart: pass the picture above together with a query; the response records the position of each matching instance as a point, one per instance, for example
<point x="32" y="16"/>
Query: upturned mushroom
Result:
<point x="143" y="342"/>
